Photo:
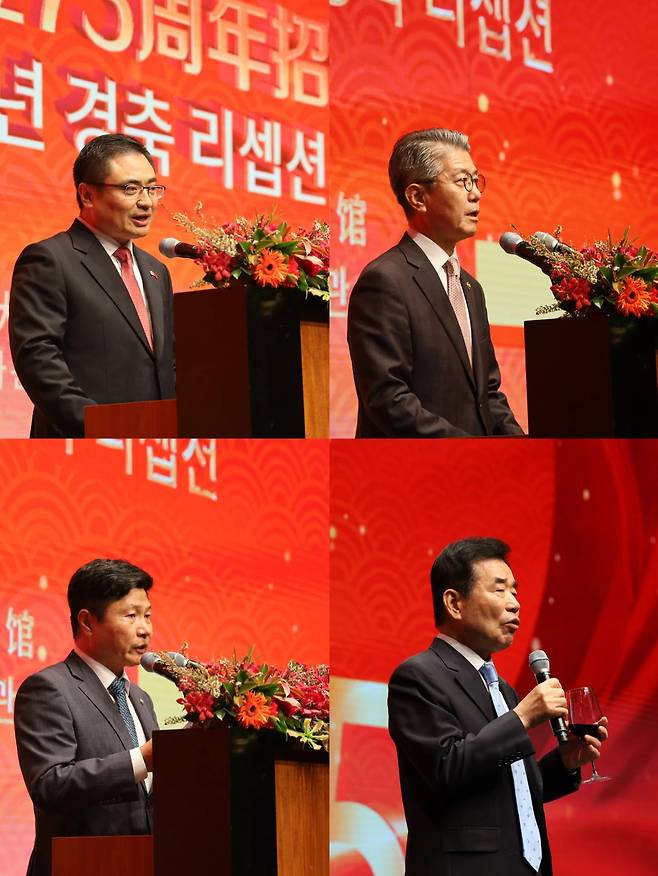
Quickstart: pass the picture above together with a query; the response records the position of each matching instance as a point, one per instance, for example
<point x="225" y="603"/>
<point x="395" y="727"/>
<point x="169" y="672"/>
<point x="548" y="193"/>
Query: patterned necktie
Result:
<point x="128" y="276"/>
<point x="456" y="298"/>
<point x="529" y="831"/>
<point x="118" y="691"/>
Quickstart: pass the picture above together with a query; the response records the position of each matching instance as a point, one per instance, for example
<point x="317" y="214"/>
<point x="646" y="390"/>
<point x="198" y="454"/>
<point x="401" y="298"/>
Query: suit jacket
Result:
<point x="454" y="756"/>
<point x="74" y="753"/>
<point x="75" y="336"/>
<point x="411" y="369"/>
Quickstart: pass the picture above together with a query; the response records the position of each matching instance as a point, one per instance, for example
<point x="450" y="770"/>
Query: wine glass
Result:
<point x="584" y="716"/>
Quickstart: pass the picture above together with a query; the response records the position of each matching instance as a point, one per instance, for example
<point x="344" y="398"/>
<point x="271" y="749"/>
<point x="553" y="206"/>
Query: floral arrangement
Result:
<point x="269" y="254"/>
<point x="615" y="277"/>
<point x="294" y="701"/>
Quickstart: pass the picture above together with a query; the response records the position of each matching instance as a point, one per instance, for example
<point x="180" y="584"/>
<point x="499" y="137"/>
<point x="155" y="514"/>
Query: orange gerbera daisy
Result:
<point x="254" y="711"/>
<point x="634" y="298"/>
<point x="270" y="270"/>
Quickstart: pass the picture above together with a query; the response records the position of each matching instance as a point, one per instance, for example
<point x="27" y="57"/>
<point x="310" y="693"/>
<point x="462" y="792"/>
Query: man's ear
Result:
<point x="85" y="194"/>
<point x="452" y="604"/>
<point x="85" y="627"/>
<point x="415" y="196"/>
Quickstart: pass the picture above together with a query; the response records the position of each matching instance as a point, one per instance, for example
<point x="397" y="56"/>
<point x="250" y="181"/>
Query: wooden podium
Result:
<point x="591" y="377"/>
<point x="226" y="803"/>
<point x="102" y="855"/>
<point x="250" y="363"/>
<point x="239" y="804"/>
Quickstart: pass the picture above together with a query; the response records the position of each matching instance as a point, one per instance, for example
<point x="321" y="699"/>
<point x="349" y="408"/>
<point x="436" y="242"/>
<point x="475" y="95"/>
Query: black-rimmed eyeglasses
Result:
<point x="133" y="190"/>
<point x="465" y="180"/>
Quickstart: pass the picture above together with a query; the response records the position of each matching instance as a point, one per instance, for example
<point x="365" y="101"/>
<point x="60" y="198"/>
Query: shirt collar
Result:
<point x="474" y="659"/>
<point x="432" y="250"/>
<point x="109" y="244"/>
<point x="105" y="675"/>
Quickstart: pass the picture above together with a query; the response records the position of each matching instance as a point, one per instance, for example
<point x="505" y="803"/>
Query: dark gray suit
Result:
<point x="411" y="370"/>
<point x="73" y="750"/>
<point x="453" y="756"/>
<point x="75" y="336"/>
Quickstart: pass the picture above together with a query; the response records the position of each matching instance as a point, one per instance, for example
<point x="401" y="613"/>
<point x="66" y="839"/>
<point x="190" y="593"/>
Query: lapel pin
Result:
<point x="468" y="285"/>
<point x="153" y="274"/>
<point x="141" y="701"/>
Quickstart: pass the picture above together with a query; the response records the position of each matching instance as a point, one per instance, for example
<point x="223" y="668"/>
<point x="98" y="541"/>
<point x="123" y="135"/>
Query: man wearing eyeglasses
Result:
<point x="422" y="357"/>
<point x="90" y="314"/>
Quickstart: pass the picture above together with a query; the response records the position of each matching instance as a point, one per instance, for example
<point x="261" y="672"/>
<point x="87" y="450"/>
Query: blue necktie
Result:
<point x="528" y="823"/>
<point x="118" y="691"/>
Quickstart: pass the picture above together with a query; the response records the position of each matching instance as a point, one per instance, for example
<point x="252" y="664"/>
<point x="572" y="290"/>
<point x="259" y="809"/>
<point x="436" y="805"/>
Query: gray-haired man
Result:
<point x="423" y="362"/>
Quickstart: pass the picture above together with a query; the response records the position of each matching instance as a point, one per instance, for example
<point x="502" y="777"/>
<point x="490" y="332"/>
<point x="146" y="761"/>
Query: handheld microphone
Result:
<point x="540" y="667"/>
<point x="514" y="244"/>
<point x="172" y="248"/>
<point x="553" y="243"/>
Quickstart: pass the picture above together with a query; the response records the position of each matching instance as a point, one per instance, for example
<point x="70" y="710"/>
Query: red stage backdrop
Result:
<point x="581" y="518"/>
<point x="230" y="97"/>
<point x="558" y="102"/>
<point x="234" y="534"/>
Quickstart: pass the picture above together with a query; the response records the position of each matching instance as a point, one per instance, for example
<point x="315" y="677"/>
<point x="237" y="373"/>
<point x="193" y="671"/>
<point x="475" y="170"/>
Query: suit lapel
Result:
<point x="432" y="288"/>
<point x="152" y="289"/>
<point x="466" y="676"/>
<point x="91" y="687"/>
<point x="472" y="302"/>
<point x="143" y="712"/>
<point x="99" y="264"/>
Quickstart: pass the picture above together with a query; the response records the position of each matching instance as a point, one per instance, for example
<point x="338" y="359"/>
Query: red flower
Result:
<point x="574" y="290"/>
<point x="199" y="703"/>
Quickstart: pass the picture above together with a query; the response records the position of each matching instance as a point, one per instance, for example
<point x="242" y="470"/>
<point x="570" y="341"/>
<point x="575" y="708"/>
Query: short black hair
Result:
<point x="453" y="568"/>
<point x="100" y="582"/>
<point x="91" y="164"/>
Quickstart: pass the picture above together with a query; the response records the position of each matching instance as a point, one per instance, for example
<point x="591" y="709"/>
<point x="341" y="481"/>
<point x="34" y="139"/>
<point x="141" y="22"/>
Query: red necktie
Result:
<point x="456" y="298"/>
<point x="127" y="275"/>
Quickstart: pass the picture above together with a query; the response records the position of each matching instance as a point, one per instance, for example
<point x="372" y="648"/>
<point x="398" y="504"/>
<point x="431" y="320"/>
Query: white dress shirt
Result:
<point x="106" y="677"/>
<point x="438" y="257"/>
<point x="110" y="246"/>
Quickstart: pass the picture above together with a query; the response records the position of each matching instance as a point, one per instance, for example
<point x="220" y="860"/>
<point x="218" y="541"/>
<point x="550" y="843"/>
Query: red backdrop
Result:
<point x="234" y="534"/>
<point x="581" y="518"/>
<point x="558" y="101"/>
<point x="230" y="96"/>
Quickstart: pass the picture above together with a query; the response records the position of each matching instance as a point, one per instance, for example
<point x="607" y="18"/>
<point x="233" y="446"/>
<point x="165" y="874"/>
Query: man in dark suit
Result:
<point x="83" y="731"/>
<point x="472" y="792"/>
<point x="90" y="314"/>
<point x="422" y="357"/>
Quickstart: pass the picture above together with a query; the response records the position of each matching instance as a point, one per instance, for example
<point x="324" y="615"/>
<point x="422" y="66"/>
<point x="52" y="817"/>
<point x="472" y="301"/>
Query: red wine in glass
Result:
<point x="584" y="716"/>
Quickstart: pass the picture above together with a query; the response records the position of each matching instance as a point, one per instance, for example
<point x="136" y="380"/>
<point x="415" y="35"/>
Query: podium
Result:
<point x="226" y="803"/>
<point x="239" y="804"/>
<point x="250" y="363"/>
<point x="102" y="855"/>
<point x="591" y="377"/>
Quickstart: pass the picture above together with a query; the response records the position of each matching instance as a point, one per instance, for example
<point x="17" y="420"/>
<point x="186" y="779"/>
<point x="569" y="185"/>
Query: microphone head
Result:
<point x="509" y="240"/>
<point x="177" y="658"/>
<point x="168" y="247"/>
<point x="538" y="662"/>
<point x="547" y="239"/>
<point x="149" y="660"/>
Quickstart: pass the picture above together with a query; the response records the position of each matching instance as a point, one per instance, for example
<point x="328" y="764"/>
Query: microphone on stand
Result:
<point x="172" y="249"/>
<point x="540" y="667"/>
<point x="152" y="662"/>
<point x="514" y="244"/>
<point x="553" y="243"/>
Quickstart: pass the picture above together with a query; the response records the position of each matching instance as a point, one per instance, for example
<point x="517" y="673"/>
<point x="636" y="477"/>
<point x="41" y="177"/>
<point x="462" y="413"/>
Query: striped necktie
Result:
<point x="527" y="822"/>
<point x="118" y="691"/>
